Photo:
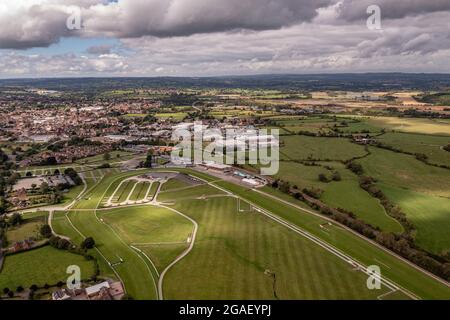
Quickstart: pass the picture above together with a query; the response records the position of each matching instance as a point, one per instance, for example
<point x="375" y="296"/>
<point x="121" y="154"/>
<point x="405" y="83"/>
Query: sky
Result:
<point x="77" y="38"/>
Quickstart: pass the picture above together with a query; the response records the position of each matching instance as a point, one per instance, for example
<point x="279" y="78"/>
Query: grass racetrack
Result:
<point x="159" y="232"/>
<point x="247" y="256"/>
<point x="128" y="264"/>
<point x="236" y="255"/>
<point x="392" y="267"/>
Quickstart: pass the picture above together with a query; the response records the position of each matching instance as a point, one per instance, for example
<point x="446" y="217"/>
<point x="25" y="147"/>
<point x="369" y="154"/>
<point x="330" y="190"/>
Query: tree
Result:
<point x="51" y="161"/>
<point x="323" y="178"/>
<point x="87" y="243"/>
<point x="336" y="176"/>
<point x="10" y="294"/>
<point x="106" y="156"/>
<point x="15" y="219"/>
<point x="46" y="231"/>
<point x="33" y="287"/>
<point x="5" y="290"/>
<point x="19" y="289"/>
<point x="44" y="187"/>
<point x="148" y="161"/>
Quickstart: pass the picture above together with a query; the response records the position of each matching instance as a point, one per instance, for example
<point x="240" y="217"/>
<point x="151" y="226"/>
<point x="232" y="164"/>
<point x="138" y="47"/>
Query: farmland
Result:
<point x="42" y="266"/>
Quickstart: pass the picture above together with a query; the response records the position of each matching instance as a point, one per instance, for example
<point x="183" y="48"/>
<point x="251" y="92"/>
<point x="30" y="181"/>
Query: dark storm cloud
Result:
<point x="135" y="18"/>
<point x="101" y="49"/>
<point x="40" y="23"/>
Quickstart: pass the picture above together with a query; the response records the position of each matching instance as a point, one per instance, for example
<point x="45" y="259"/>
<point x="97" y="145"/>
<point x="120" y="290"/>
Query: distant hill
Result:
<point x="348" y="82"/>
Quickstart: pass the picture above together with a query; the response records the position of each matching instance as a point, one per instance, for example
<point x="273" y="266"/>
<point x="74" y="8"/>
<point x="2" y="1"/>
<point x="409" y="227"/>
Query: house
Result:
<point x="62" y="294"/>
<point x="105" y="291"/>
<point x="22" y="245"/>
<point x="363" y="139"/>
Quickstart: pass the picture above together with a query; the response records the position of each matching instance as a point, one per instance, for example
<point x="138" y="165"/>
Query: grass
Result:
<point x="195" y="191"/>
<point x="136" y="194"/>
<point x="429" y="145"/>
<point x="345" y="194"/>
<point x="174" y="184"/>
<point x="162" y="254"/>
<point x="241" y="245"/>
<point x="71" y="194"/>
<point x="234" y="251"/>
<point x="28" y="229"/>
<point x="175" y="115"/>
<point x="133" y="269"/>
<point x="393" y="268"/>
<point x="99" y="159"/>
<point x="125" y="192"/>
<point x="143" y="192"/>
<point x="348" y="195"/>
<point x="405" y="171"/>
<point x="41" y="266"/>
<point x="315" y="125"/>
<point x="145" y="224"/>
<point x="430" y="215"/>
<point x="61" y="226"/>
<point x="153" y="189"/>
<point x="159" y="232"/>
<point x="414" y="125"/>
<point x="304" y="148"/>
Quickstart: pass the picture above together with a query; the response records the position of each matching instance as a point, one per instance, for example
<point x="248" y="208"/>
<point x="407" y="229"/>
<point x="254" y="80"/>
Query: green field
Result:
<point x="159" y="232"/>
<point x="139" y="191"/>
<point x="41" y="266"/>
<point x="326" y="125"/>
<point x="125" y="192"/>
<point x="431" y="146"/>
<point x="192" y="192"/>
<point x="174" y="184"/>
<point x="430" y="214"/>
<point x="115" y="156"/>
<point x="132" y="269"/>
<point x="403" y="274"/>
<point x="345" y="194"/>
<point x="413" y="125"/>
<point x="29" y="228"/>
<point x="237" y="254"/>
<point x="175" y="115"/>
<point x="405" y="171"/>
<point x="327" y="149"/>
<point x="147" y="224"/>
<point x="153" y="190"/>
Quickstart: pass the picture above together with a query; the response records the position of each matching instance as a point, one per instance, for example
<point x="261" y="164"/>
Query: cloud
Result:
<point x="352" y="10"/>
<point x="40" y="23"/>
<point x="100" y="49"/>
<point x="136" y="18"/>
<point x="212" y="37"/>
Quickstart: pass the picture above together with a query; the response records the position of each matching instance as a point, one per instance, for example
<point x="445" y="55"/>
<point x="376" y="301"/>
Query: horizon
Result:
<point x="229" y="76"/>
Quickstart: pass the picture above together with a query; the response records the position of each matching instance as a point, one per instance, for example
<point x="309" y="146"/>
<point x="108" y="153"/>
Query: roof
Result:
<point x="96" y="288"/>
